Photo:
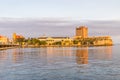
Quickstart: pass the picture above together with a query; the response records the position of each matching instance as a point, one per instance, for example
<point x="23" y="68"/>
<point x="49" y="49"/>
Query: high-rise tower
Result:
<point x="14" y="36"/>
<point x="82" y="31"/>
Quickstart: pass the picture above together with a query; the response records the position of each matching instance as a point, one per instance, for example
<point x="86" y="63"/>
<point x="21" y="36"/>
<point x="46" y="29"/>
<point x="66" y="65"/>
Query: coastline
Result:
<point x="44" y="46"/>
<point x="33" y="46"/>
<point x="5" y="48"/>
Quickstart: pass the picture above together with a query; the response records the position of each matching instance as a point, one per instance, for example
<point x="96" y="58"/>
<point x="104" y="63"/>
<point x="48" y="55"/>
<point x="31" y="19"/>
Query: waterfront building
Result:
<point x="56" y="40"/>
<point x="67" y="42"/>
<point x="81" y="39"/>
<point x="82" y="31"/>
<point x="102" y="40"/>
<point x="15" y="36"/>
<point x="4" y="40"/>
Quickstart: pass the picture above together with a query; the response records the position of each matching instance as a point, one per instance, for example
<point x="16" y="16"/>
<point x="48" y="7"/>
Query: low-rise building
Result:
<point x="103" y="40"/>
<point x="52" y="40"/>
<point x="67" y="42"/>
<point x="4" y="40"/>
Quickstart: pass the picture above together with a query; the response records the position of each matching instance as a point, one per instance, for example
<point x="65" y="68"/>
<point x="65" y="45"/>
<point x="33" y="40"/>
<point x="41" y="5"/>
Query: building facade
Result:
<point x="64" y="41"/>
<point x="82" y="31"/>
<point x="17" y="38"/>
<point x="4" y="40"/>
<point x="102" y="40"/>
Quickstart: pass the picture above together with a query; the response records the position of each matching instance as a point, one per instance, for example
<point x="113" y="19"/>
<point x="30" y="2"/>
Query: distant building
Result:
<point x="15" y="37"/>
<point x="51" y="40"/>
<point x="55" y="39"/>
<point x="4" y="40"/>
<point x="82" y="31"/>
<point x="102" y="40"/>
<point x="80" y="39"/>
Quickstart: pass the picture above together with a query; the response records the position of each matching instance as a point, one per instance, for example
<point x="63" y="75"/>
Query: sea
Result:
<point x="61" y="63"/>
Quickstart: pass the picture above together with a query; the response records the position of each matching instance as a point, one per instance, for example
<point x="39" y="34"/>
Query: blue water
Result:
<point x="61" y="63"/>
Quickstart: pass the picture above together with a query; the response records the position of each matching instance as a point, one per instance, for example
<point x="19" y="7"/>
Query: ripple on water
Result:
<point x="94" y="63"/>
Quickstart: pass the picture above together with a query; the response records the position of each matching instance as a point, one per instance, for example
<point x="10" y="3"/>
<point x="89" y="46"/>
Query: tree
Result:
<point x="57" y="43"/>
<point x="42" y="42"/>
<point x="20" y="40"/>
<point x="75" y="41"/>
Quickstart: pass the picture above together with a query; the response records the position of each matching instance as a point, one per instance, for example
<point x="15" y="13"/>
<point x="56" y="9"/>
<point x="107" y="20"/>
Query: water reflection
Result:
<point x="3" y="56"/>
<point x="56" y="55"/>
<point x="100" y="53"/>
<point x="82" y="56"/>
<point x="103" y="53"/>
<point x="63" y="63"/>
<point x="17" y="55"/>
<point x="53" y="52"/>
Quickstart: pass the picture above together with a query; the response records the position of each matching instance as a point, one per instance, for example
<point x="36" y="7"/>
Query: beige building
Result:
<point x="82" y="31"/>
<point x="80" y="39"/>
<point x="4" y="40"/>
<point x="67" y="42"/>
<point x="51" y="40"/>
<point x="15" y="36"/>
<point x="103" y="40"/>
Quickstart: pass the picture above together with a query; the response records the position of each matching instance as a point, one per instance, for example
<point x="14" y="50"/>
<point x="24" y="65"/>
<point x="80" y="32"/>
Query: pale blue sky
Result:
<point x="80" y="9"/>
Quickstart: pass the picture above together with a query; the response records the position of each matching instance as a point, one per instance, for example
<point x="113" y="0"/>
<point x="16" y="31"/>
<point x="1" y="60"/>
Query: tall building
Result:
<point x="15" y="37"/>
<point x="82" y="31"/>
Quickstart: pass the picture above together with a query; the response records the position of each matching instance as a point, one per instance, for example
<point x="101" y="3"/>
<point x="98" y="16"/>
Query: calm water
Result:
<point x="67" y="63"/>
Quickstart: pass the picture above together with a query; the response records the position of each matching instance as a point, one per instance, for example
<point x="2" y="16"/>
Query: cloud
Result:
<point x="56" y="27"/>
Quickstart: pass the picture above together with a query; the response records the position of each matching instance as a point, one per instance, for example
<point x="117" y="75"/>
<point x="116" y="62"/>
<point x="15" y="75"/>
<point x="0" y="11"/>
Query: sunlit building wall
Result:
<point x="15" y="37"/>
<point x="50" y="40"/>
<point x="4" y="40"/>
<point x="103" y="40"/>
<point x="82" y="31"/>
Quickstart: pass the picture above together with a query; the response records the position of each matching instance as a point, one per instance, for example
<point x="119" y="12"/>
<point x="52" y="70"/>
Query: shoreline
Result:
<point x="5" y="48"/>
<point x="33" y="46"/>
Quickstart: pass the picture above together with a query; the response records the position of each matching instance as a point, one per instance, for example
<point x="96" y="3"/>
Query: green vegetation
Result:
<point x="20" y="41"/>
<point x="57" y="43"/>
<point x="34" y="41"/>
<point x="76" y="42"/>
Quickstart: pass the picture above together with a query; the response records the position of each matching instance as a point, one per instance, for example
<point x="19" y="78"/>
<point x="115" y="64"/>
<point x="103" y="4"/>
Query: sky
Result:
<point x="84" y="9"/>
<point x="33" y="18"/>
